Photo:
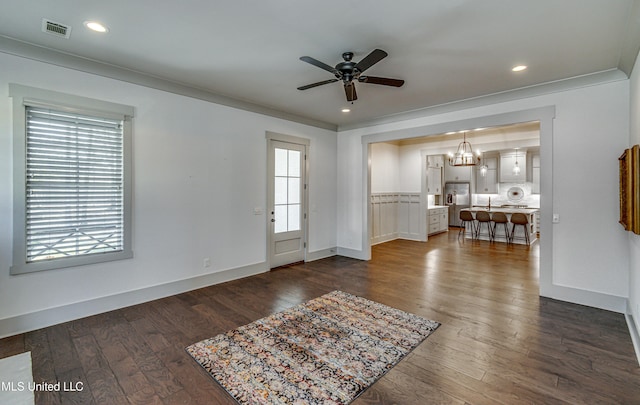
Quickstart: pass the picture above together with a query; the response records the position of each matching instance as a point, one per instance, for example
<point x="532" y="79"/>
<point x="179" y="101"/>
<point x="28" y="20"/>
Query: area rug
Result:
<point x="325" y="351"/>
<point x="16" y="380"/>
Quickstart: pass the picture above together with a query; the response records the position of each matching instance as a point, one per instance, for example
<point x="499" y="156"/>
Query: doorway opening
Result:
<point x="406" y="172"/>
<point x="543" y="116"/>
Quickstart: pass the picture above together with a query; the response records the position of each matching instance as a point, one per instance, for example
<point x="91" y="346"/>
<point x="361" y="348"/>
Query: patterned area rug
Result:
<point x="325" y="351"/>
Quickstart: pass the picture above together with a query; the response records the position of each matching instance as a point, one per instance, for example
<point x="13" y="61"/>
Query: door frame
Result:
<point x="296" y="140"/>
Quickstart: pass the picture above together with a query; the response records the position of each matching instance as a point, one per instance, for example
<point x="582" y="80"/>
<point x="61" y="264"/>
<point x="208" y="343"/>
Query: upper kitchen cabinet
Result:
<point x="434" y="181"/>
<point x="435" y="161"/>
<point x="508" y="161"/>
<point x="457" y="173"/>
<point x="487" y="183"/>
<point x="434" y="174"/>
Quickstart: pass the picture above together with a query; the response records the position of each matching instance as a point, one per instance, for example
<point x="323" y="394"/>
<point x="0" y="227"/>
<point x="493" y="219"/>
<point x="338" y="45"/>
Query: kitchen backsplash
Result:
<point x="529" y="199"/>
<point x="509" y="193"/>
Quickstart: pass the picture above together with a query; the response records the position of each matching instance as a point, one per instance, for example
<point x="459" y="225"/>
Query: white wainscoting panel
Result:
<point x="409" y="216"/>
<point x="384" y="221"/>
<point x="395" y="215"/>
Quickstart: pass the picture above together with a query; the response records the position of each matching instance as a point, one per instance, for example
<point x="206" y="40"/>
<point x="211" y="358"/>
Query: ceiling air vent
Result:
<point x="55" y="28"/>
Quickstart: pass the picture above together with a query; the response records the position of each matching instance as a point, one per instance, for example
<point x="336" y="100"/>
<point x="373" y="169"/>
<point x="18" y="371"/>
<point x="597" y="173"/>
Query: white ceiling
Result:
<point x="445" y="50"/>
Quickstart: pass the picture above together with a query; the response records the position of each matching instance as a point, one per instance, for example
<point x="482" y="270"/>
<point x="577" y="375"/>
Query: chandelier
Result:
<point x="464" y="155"/>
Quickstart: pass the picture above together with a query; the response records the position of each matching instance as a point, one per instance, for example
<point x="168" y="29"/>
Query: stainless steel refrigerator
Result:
<point x="457" y="195"/>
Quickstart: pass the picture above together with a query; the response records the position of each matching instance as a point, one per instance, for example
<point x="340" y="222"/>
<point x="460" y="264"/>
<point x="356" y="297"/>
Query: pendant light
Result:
<point x="464" y="154"/>
<point x="484" y="167"/>
<point x="516" y="168"/>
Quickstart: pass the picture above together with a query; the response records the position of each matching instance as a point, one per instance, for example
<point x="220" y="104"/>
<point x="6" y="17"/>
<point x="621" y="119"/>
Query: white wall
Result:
<point x="199" y="171"/>
<point x="410" y="169"/>
<point x="350" y="196"/>
<point x="385" y="166"/>
<point x="634" y="240"/>
<point x="590" y="252"/>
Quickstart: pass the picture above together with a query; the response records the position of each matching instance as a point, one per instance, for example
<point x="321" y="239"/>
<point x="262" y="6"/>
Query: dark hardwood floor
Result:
<point x="499" y="342"/>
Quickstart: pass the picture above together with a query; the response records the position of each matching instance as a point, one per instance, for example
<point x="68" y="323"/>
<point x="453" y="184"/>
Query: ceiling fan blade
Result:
<point x="381" y="80"/>
<point x="308" y="86"/>
<point x="319" y="64"/>
<point x="374" y="57"/>
<point x="350" y="91"/>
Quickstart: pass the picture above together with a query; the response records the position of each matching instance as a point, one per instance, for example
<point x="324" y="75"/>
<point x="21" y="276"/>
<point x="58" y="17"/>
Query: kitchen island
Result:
<point x="500" y="236"/>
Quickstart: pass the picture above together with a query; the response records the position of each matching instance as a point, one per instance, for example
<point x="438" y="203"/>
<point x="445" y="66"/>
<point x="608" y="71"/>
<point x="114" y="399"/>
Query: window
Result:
<point x="72" y="182"/>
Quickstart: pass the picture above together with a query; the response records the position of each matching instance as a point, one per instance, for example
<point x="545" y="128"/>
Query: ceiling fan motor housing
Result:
<point x="346" y="68"/>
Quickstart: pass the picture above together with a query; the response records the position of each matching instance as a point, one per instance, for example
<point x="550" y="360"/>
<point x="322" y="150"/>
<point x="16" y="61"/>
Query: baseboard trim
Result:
<point x="52" y="316"/>
<point x="584" y="297"/>
<point x="321" y="254"/>
<point x="383" y="239"/>
<point x="633" y="331"/>
<point x="410" y="237"/>
<point x="352" y="253"/>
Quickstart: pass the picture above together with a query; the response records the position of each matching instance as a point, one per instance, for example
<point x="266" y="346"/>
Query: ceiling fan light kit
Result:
<point x="349" y="71"/>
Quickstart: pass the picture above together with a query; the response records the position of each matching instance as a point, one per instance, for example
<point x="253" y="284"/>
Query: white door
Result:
<point x="286" y="199"/>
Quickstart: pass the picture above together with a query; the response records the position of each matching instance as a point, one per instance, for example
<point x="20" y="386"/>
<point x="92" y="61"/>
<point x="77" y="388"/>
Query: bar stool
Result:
<point x="520" y="219"/>
<point x="483" y="217"/>
<point x="500" y="218"/>
<point x="466" y="217"/>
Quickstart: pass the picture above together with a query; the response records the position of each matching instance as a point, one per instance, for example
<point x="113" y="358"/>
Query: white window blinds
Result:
<point x="74" y="185"/>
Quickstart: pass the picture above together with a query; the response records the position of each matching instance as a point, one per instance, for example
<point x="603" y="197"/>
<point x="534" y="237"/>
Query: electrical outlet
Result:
<point x="206" y="262"/>
<point x="556" y="218"/>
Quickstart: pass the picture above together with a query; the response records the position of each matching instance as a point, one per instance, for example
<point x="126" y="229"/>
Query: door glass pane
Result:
<point x="281" y="162"/>
<point x="294" y="217"/>
<point x="287" y="190"/>
<point x="280" y="190"/>
<point x="280" y="215"/>
<point x="294" y="163"/>
<point x="294" y="191"/>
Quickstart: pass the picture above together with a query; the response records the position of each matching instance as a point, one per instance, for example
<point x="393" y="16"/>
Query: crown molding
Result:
<point x="34" y="52"/>
<point x="38" y="53"/>
<point x="592" y="79"/>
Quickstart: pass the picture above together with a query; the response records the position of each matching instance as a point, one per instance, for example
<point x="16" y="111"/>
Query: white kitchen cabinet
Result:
<point x="535" y="174"/>
<point x="457" y="173"/>
<point x="434" y="180"/>
<point x="434" y="174"/>
<point x="507" y="161"/>
<point x="436" y="161"/>
<point x="487" y="184"/>
<point x="438" y="220"/>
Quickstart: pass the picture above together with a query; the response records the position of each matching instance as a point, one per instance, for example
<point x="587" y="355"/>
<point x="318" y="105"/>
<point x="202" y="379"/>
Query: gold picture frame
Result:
<point x="629" y="165"/>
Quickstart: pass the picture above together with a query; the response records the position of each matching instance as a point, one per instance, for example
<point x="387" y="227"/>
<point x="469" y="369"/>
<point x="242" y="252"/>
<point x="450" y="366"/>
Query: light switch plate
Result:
<point x="556" y="218"/>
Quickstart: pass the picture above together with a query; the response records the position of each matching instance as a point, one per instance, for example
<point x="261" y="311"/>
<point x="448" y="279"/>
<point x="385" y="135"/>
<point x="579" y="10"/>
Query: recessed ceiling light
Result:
<point x="96" y="26"/>
<point x="345" y="110"/>
<point x="518" y="68"/>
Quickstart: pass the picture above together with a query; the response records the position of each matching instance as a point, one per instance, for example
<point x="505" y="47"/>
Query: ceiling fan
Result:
<point x="348" y="71"/>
